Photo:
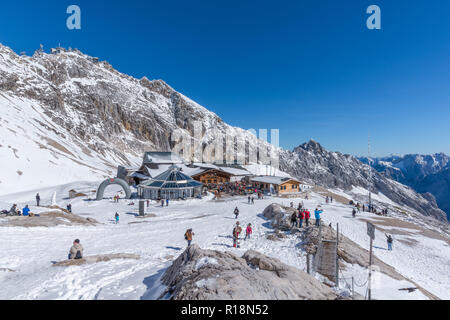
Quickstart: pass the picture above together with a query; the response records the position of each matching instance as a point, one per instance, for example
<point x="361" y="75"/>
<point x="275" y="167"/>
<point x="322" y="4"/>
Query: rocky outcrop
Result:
<point x="213" y="275"/>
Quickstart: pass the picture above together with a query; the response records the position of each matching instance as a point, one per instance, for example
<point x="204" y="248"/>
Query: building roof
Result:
<point x="172" y="178"/>
<point x="232" y="170"/>
<point x="272" y="180"/>
<point x="162" y="158"/>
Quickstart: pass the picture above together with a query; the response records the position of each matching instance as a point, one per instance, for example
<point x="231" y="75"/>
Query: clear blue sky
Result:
<point x="309" y="68"/>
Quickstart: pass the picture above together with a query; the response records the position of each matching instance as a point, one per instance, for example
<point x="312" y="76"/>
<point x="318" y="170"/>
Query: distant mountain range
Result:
<point x="423" y="173"/>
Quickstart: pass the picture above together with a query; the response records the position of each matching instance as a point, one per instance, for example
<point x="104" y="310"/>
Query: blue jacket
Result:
<point x="317" y="213"/>
<point x="26" y="211"/>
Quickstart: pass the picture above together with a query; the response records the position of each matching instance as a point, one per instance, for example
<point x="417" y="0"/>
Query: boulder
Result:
<point x="213" y="275"/>
<point x="279" y="216"/>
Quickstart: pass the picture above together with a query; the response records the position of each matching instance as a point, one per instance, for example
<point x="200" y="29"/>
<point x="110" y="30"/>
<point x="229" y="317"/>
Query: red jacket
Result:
<point x="307" y="214"/>
<point x="249" y="230"/>
<point x="302" y="215"/>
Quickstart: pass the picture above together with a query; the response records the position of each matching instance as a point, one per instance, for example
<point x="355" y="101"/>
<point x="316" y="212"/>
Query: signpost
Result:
<point x="371" y="234"/>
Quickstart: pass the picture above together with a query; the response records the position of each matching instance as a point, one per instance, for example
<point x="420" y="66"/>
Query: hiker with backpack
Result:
<point x="390" y="240"/>
<point x="188" y="236"/>
<point x="236" y="212"/>
<point x="248" y="231"/>
<point x="236" y="232"/>
<point x="76" y="251"/>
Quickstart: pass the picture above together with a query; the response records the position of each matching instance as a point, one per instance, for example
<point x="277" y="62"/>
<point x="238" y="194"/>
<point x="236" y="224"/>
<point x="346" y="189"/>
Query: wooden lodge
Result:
<point x="278" y="185"/>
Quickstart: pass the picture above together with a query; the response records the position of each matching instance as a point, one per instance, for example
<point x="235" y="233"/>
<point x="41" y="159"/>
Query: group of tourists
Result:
<point x="14" y="211"/>
<point x="303" y="214"/>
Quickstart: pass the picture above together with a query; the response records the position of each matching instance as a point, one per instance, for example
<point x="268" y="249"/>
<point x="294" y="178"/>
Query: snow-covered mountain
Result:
<point x="67" y="117"/>
<point x="423" y="173"/>
<point x="335" y="170"/>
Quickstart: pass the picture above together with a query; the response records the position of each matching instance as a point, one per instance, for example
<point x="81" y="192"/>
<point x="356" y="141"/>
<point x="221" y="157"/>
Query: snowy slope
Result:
<point x="159" y="240"/>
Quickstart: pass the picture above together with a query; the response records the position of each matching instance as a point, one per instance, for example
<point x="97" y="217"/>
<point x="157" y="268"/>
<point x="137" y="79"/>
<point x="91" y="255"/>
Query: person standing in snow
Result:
<point x="301" y="216"/>
<point x="188" y="236"/>
<point x="116" y="216"/>
<point x="294" y="219"/>
<point x="148" y="203"/>
<point x="236" y="232"/>
<point x="248" y="231"/>
<point x="162" y="202"/>
<point x="390" y="240"/>
<point x="38" y="199"/>
<point x="76" y="251"/>
<point x="354" y="213"/>
<point x="236" y="212"/>
<point x="317" y="213"/>
<point x="253" y="200"/>
<point x="307" y="216"/>
<point x="249" y="199"/>
<point x="167" y="202"/>
<point x="331" y="199"/>
<point x="69" y="207"/>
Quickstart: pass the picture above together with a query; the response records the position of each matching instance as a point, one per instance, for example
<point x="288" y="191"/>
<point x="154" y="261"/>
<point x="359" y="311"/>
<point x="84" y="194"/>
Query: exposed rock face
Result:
<point x="213" y="275"/>
<point x="312" y="162"/>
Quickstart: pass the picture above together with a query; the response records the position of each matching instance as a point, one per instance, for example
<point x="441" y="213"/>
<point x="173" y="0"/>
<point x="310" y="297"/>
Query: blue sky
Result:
<point x="309" y="68"/>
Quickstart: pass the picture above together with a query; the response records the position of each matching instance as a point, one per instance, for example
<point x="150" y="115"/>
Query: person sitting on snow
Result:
<point x="26" y="211"/>
<point x="76" y="251"/>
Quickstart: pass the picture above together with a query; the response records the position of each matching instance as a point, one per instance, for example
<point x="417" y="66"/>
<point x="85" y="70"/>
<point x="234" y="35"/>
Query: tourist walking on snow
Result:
<point x="317" y="213"/>
<point x="236" y="232"/>
<point x="390" y="240"/>
<point x="167" y="202"/>
<point x="162" y="202"/>
<point x="236" y="212"/>
<point x="253" y="200"/>
<point x="188" y="236"/>
<point x="116" y="216"/>
<point x="354" y="213"/>
<point x="248" y="199"/>
<point x="248" y="231"/>
<point x="76" y="251"/>
<point x="38" y="199"/>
